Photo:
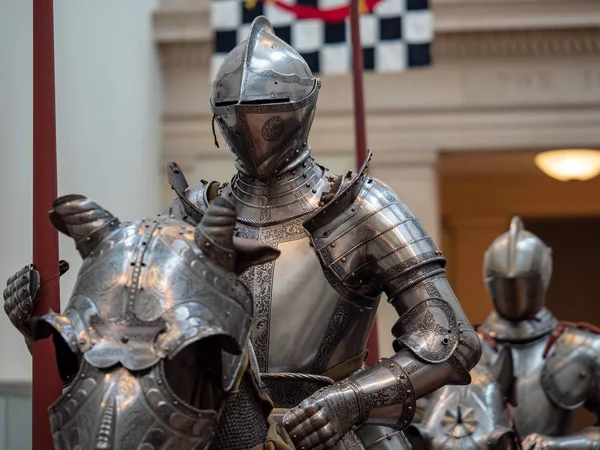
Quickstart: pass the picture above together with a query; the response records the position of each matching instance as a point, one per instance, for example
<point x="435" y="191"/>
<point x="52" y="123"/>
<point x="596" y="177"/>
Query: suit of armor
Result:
<point x="344" y="241"/>
<point x="557" y="365"/>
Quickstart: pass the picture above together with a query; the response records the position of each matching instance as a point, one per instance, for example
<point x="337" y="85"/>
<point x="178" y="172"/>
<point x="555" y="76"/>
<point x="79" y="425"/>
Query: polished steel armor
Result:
<point x="352" y="238"/>
<point x="344" y="241"/>
<point x="160" y="326"/>
<point x="516" y="269"/>
<point x="557" y="365"/>
<point x="263" y="99"/>
<point x="474" y="417"/>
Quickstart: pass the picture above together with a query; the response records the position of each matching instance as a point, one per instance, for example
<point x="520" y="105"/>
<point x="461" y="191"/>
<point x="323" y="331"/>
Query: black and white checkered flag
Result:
<point x="395" y="34"/>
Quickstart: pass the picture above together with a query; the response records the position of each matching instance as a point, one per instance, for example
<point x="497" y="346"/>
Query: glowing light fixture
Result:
<point x="571" y="164"/>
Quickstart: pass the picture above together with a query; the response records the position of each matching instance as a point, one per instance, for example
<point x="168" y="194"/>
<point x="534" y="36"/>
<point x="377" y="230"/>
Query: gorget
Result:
<point x="280" y="199"/>
<point x="526" y="330"/>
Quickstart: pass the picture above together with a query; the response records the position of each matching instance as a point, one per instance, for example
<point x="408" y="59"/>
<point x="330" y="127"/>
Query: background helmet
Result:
<point x="264" y="98"/>
<point x="517" y="268"/>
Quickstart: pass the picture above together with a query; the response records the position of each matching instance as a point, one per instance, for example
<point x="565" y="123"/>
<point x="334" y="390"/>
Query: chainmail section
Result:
<point x="242" y="424"/>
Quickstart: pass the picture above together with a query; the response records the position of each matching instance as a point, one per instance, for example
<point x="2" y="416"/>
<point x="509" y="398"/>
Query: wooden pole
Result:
<point x="47" y="386"/>
<point x="360" y="131"/>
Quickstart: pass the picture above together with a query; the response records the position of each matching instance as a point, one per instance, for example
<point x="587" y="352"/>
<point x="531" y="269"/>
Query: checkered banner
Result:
<point x="395" y="34"/>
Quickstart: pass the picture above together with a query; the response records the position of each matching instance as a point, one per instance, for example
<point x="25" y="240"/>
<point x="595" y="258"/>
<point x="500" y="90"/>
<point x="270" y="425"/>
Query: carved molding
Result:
<point x="530" y="88"/>
<point x="446" y="47"/>
<point x="517" y="44"/>
<point x="403" y="138"/>
<point x="493" y="15"/>
<point x="464" y="29"/>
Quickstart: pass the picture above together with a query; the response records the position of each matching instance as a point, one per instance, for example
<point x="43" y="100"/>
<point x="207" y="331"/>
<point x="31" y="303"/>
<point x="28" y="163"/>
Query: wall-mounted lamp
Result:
<point x="571" y="164"/>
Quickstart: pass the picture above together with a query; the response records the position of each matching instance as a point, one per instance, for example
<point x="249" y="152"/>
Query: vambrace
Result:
<point x="434" y="329"/>
<point x="387" y="392"/>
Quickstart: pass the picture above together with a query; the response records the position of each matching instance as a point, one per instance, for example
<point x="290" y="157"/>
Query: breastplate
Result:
<point x="301" y="323"/>
<point x="535" y="412"/>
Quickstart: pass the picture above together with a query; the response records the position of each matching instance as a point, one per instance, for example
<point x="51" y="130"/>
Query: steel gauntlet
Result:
<point x="586" y="439"/>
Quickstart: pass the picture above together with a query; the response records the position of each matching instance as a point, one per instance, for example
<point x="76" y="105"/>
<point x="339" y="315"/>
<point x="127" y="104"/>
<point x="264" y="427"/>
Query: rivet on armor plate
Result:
<point x="402" y="376"/>
<point x="307" y="185"/>
<point x="230" y="193"/>
<point x="388" y="437"/>
<point x="304" y="165"/>
<point x="583" y="374"/>
<point x="445" y="341"/>
<point x="344" y="259"/>
<point x="392" y="365"/>
<point x="278" y="177"/>
<point x="459" y="330"/>
<point x="175" y="402"/>
<point x="409" y="408"/>
<point x="314" y="191"/>
<point x="461" y="340"/>
<point x="287" y="160"/>
<point x="293" y="172"/>
<point x="207" y="244"/>
<point x="362" y="310"/>
<point x="297" y="151"/>
<point x="303" y="175"/>
<point x="408" y="391"/>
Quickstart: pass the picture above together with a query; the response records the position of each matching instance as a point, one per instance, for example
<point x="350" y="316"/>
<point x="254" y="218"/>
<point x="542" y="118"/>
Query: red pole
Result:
<point x="47" y="386"/>
<point x="360" y="131"/>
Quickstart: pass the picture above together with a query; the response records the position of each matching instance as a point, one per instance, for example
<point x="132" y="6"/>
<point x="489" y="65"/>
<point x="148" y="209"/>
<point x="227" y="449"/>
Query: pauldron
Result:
<point x="571" y="374"/>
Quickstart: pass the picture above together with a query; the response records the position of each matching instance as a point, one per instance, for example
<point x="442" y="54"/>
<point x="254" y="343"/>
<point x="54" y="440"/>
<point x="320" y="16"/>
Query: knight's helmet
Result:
<point x="263" y="98"/>
<point x="517" y="268"/>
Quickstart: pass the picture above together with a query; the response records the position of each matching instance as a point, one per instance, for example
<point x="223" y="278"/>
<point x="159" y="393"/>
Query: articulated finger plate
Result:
<point x="321" y="420"/>
<point x="21" y="290"/>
